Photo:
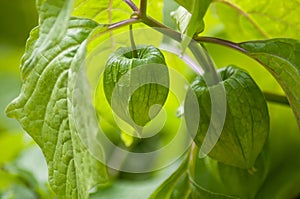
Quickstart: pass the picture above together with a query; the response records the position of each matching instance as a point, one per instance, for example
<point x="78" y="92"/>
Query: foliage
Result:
<point x="69" y="36"/>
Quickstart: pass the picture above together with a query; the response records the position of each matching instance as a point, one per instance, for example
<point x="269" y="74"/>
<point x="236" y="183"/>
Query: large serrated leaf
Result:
<point x="42" y="108"/>
<point x="281" y="58"/>
<point x="245" y="20"/>
<point x="53" y="16"/>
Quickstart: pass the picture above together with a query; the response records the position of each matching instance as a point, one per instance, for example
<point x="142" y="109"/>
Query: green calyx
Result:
<point x="246" y="126"/>
<point x="133" y="85"/>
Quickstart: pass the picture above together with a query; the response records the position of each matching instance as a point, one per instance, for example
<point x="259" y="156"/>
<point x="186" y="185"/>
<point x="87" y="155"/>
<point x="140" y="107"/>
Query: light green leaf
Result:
<point x="103" y="12"/>
<point x="248" y="20"/>
<point x="53" y="16"/>
<point x="182" y="18"/>
<point x="190" y="21"/>
<point x="281" y="59"/>
<point x="112" y="11"/>
<point x="42" y="108"/>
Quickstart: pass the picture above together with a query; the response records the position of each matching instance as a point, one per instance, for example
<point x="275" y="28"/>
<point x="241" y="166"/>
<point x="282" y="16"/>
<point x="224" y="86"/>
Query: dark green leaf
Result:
<point x="281" y="58"/>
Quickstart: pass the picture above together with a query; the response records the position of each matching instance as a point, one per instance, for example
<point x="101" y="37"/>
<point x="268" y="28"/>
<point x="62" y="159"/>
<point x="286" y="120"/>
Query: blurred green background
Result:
<point x="23" y="171"/>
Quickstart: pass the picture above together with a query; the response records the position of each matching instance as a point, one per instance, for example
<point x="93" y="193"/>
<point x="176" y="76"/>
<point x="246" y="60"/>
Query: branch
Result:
<point x="131" y="5"/>
<point x="123" y="23"/>
<point x="116" y="25"/>
<point x="143" y="8"/>
<point x="202" y="57"/>
<point x="220" y="42"/>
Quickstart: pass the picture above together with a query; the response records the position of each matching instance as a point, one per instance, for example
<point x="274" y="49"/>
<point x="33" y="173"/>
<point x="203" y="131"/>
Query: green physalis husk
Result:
<point x="246" y="125"/>
<point x="133" y="98"/>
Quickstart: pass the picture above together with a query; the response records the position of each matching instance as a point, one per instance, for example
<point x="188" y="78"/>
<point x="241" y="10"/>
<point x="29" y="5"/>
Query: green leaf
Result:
<point x="103" y="12"/>
<point x="248" y="20"/>
<point x="199" y="192"/>
<point x="283" y="179"/>
<point x="112" y="11"/>
<point x="182" y="188"/>
<point x="43" y="109"/>
<point x="149" y="188"/>
<point x="166" y="188"/>
<point x="190" y="20"/>
<point x="281" y="59"/>
<point x="53" y="16"/>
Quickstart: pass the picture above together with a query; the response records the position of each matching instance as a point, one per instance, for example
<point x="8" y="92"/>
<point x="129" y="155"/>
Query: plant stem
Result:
<point x="143" y="9"/>
<point x="142" y="17"/>
<point x="131" y="5"/>
<point x="116" y="25"/>
<point x="220" y="42"/>
<point x="280" y="99"/>
<point x="123" y="23"/>
<point x="199" y="52"/>
<point x="210" y="74"/>
<point x="133" y="46"/>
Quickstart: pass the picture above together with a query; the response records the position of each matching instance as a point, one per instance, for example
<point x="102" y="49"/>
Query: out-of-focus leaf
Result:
<point x="42" y="108"/>
<point x="11" y="144"/>
<point x="16" y="21"/>
<point x="112" y="11"/>
<point x="281" y="59"/>
<point x="199" y="192"/>
<point x="248" y="20"/>
<point x="166" y="188"/>
<point x="151" y="187"/>
<point x="182" y="188"/>
<point x="283" y="180"/>
<point x="10" y="85"/>
<point x="19" y="191"/>
<point x="104" y="12"/>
